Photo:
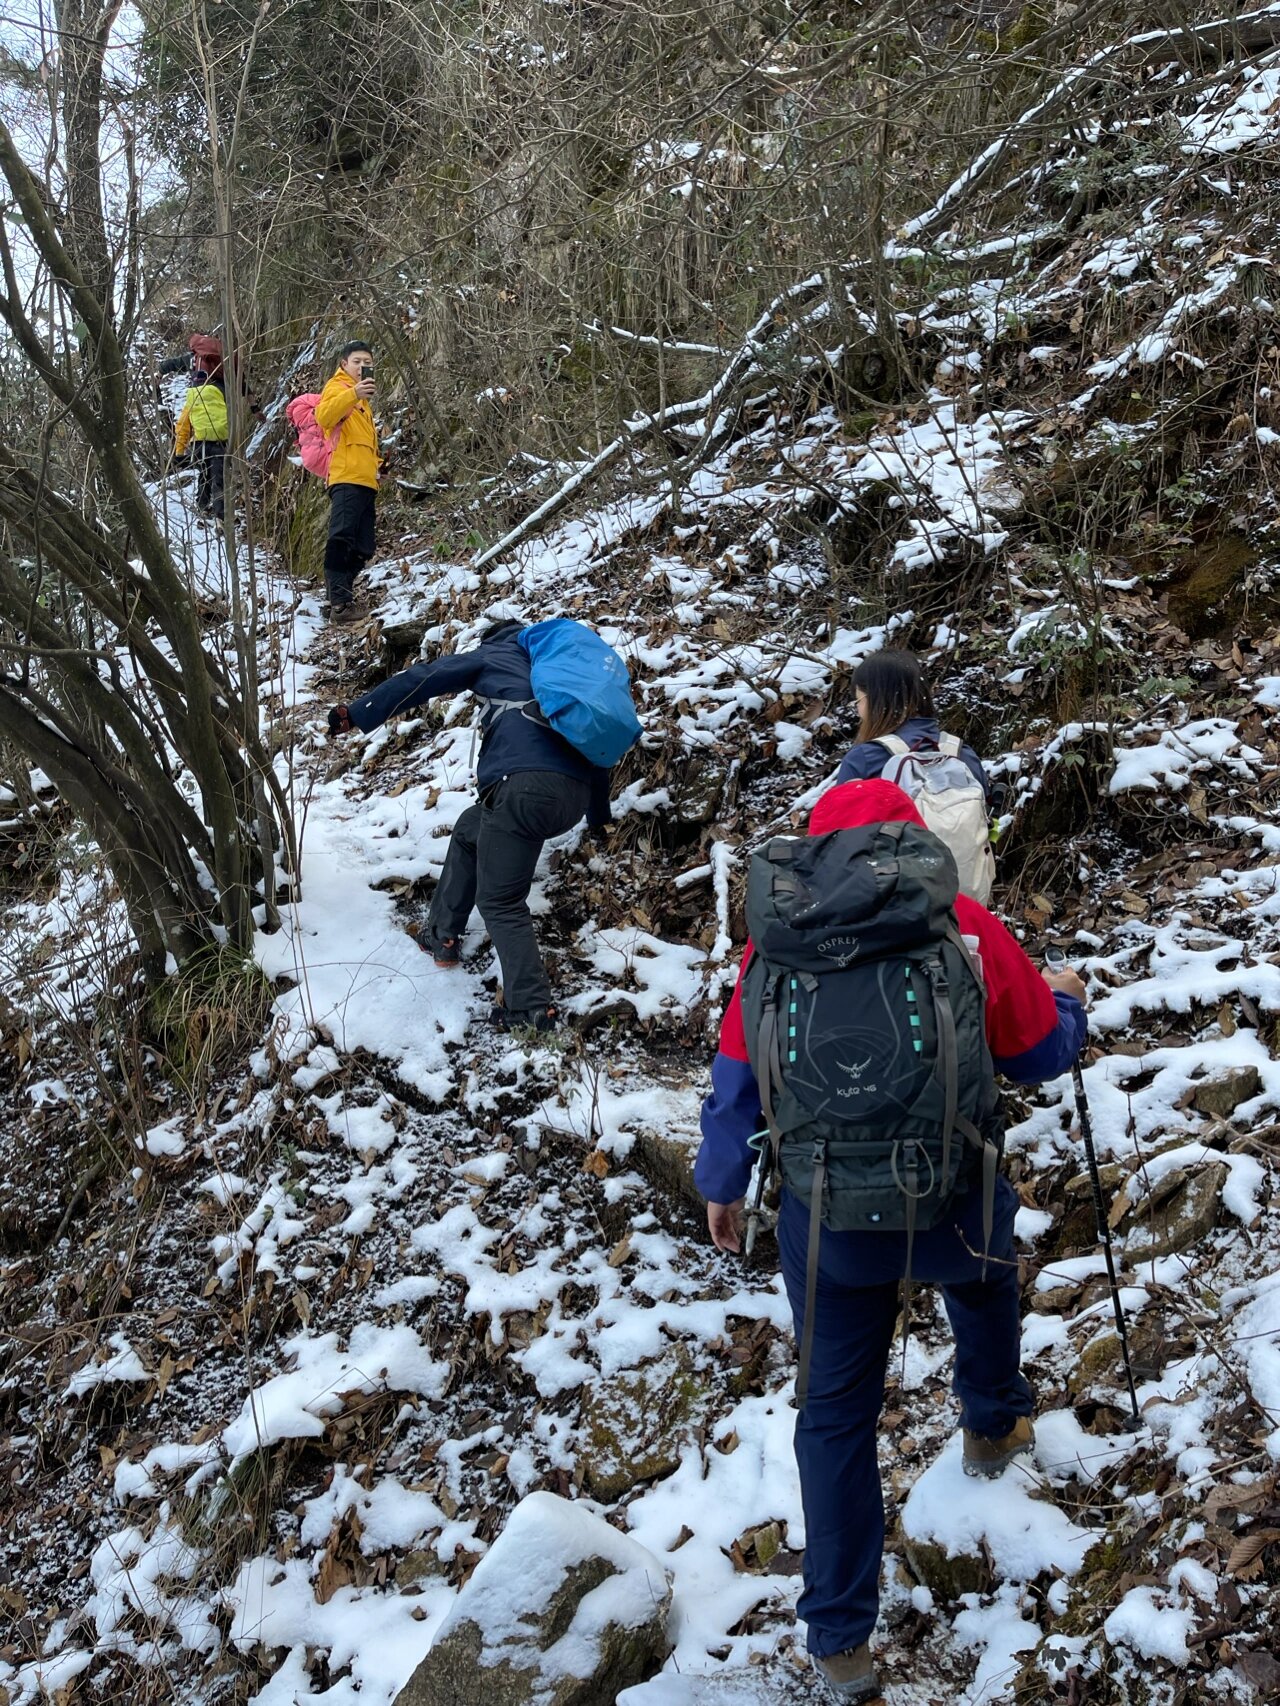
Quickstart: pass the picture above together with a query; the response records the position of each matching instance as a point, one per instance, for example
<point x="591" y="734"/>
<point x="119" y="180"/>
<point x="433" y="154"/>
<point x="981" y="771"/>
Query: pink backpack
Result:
<point x="316" y="450"/>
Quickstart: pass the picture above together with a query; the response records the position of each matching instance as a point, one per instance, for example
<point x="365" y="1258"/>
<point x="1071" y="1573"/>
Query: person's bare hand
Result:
<point x="724" y="1222"/>
<point x="365" y="389"/>
<point x="1068" y="983"/>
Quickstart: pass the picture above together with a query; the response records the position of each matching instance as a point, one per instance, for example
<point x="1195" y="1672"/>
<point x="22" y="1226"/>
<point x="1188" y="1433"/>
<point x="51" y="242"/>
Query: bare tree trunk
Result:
<point x="94" y="729"/>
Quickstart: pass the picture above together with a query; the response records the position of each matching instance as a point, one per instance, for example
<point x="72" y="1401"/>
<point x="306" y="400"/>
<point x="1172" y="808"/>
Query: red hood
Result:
<point x="854" y="804"/>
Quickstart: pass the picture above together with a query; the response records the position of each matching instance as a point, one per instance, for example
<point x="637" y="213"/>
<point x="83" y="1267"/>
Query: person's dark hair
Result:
<point x="896" y="691"/>
<point x="348" y="350"/>
<point x="496" y="630"/>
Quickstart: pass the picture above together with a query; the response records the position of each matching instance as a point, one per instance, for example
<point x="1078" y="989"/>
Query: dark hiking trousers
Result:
<point x="855" y="1314"/>
<point x="351" y="543"/>
<point x="493" y="854"/>
<point x="211" y="456"/>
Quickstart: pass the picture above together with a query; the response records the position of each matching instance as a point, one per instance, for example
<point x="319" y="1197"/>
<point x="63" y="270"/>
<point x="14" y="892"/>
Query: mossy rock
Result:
<point x="307" y="532"/>
<point x="635" y="1426"/>
<point x="667" y="1162"/>
<point x="947" y="1577"/>
<point x="1098" y="1358"/>
<point x="532" y="1628"/>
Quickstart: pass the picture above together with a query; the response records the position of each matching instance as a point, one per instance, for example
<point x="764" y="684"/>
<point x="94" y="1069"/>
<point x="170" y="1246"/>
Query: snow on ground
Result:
<point x="407" y="1273"/>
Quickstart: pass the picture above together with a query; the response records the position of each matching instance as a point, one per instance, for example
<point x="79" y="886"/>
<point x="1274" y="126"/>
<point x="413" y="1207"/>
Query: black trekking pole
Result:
<point x="1056" y="960"/>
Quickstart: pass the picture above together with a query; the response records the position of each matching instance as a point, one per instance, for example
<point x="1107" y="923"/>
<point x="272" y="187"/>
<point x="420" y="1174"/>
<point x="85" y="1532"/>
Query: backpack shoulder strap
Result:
<point x="892" y="743"/>
<point x="966" y="953"/>
<point x="811" y="1272"/>
<point x="947" y="1072"/>
<point x="950" y="745"/>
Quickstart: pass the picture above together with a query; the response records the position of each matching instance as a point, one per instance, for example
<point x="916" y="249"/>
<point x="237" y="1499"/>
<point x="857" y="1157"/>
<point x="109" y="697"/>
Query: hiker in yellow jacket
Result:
<point x="204" y="419"/>
<point x="353" y="475"/>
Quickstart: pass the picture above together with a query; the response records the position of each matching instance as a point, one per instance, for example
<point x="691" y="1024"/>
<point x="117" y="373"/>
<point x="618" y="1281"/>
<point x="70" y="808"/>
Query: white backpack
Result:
<point x="951" y="801"/>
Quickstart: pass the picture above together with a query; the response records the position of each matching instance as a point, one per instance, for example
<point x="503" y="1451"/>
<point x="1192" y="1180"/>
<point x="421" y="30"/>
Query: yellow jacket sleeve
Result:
<point x="182" y="428"/>
<point x="336" y="402"/>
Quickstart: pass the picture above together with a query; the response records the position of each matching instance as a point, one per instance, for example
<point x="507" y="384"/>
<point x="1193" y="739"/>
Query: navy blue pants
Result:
<point x="855" y="1313"/>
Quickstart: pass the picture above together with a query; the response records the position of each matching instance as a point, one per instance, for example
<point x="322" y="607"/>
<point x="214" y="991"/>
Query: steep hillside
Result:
<point x="312" y="1323"/>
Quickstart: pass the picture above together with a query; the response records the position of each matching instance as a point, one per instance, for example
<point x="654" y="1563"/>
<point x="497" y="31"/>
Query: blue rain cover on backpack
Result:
<point x="582" y="688"/>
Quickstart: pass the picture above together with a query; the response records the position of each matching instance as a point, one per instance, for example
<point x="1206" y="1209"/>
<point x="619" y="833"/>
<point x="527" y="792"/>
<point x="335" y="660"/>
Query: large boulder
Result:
<point x="562" y="1611"/>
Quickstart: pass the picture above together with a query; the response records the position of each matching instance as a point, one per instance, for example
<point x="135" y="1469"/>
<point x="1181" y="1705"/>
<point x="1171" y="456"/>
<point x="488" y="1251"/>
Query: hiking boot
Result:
<point x="851" y="1675"/>
<point x="991" y="1457"/>
<point x="445" y="952"/>
<point x="344" y="614"/>
<point x="542" y="1021"/>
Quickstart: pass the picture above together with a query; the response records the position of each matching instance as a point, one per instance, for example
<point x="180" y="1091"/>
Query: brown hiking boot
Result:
<point x="851" y="1675"/>
<point x="991" y="1457"/>
<point x="345" y="615"/>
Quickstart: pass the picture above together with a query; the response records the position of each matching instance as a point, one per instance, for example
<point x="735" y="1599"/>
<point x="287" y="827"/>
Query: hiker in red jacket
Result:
<point x="1035" y="1026"/>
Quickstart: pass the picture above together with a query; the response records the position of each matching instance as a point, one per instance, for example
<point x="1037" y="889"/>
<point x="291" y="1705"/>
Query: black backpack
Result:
<point x="864" y="1019"/>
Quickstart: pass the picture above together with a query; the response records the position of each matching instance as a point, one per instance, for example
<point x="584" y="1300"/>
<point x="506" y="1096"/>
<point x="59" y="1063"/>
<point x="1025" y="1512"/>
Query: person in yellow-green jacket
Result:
<point x="204" y="419"/>
<point x="353" y="475"/>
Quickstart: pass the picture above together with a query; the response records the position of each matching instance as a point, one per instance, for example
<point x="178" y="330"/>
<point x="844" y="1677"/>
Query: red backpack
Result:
<point x="315" y="449"/>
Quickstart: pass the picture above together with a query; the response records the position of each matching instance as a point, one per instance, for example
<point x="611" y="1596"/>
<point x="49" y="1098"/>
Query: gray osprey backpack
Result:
<point x="864" y="1019"/>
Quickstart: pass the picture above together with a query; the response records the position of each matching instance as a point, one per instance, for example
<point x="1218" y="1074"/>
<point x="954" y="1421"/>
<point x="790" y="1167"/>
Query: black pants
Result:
<point x="493" y="853"/>
<point x="210" y="456"/>
<point x="350" y="545"/>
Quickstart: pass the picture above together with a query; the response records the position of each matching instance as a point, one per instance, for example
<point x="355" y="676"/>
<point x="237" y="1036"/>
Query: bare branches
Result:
<point x="119" y="698"/>
<point x="1221" y="37"/>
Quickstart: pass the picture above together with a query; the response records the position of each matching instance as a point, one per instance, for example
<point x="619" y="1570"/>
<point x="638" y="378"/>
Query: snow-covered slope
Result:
<point x="272" y="1399"/>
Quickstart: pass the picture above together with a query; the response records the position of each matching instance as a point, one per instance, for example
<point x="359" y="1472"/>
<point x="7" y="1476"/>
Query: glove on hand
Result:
<point x="339" y="721"/>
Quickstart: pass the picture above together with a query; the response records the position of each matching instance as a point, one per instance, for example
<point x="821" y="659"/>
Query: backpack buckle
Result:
<point x="938" y="977"/>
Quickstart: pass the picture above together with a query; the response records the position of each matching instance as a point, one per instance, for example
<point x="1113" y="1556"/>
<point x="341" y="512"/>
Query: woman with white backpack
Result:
<point x="899" y="738"/>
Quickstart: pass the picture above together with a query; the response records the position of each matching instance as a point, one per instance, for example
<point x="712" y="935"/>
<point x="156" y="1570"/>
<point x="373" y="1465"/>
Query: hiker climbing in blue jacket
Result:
<point x="895" y="705"/>
<point x="533" y="786"/>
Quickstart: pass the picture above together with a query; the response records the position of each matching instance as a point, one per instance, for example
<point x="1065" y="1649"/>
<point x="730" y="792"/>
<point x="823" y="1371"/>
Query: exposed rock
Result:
<point x="635" y="1426"/>
<point x="1112" y="1174"/>
<point x="1056" y="1299"/>
<point x="562" y="1611"/>
<point x="962" y="1535"/>
<point x="764" y="1550"/>
<point x="666" y="1160"/>
<point x="946" y="1574"/>
<point x="1180" y="1221"/>
<point x="1098" y="1358"/>
<point x="1163" y="1189"/>
<point x="416" y="1566"/>
<point x="1221" y="1095"/>
<point x="308" y="529"/>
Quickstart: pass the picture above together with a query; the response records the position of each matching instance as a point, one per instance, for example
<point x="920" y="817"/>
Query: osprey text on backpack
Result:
<point x="864" y="1018"/>
<point x="952" y="803"/>
<point x="581" y="689"/>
